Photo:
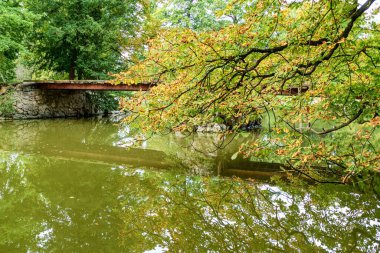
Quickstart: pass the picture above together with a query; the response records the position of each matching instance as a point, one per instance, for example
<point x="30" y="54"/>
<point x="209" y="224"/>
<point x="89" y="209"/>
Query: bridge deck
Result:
<point x="86" y="85"/>
<point x="95" y="85"/>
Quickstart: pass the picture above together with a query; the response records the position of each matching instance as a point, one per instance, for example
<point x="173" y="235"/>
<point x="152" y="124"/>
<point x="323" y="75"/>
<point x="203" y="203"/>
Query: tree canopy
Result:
<point x="200" y="15"/>
<point x="83" y="38"/>
<point x="15" y="21"/>
<point x="239" y="73"/>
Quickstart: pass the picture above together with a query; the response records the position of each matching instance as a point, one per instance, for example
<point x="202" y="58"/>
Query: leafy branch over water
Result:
<point x="238" y="73"/>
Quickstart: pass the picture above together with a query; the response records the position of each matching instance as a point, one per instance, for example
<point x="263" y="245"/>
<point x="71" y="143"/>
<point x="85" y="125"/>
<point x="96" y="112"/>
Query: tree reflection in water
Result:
<point x="207" y="214"/>
<point x="57" y="206"/>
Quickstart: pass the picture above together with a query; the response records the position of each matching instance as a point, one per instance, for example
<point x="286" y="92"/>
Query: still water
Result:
<point x="75" y="186"/>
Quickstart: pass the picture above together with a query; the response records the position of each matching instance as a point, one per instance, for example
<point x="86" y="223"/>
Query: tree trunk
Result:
<point x="72" y="72"/>
<point x="80" y="74"/>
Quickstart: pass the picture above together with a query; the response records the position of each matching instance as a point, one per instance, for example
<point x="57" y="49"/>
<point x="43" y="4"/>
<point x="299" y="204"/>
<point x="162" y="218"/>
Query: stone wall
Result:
<point x="32" y="103"/>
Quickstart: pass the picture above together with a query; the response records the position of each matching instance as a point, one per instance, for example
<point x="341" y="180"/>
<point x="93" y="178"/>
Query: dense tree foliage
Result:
<point x="198" y="15"/>
<point x="83" y="38"/>
<point x="238" y="73"/>
<point x="15" y="21"/>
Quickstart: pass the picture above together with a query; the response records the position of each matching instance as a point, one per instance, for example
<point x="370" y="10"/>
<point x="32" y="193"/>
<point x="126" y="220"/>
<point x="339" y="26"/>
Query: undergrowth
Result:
<point x="6" y="101"/>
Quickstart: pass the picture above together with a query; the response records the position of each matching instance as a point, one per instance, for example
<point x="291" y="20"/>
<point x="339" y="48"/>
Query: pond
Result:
<point x="76" y="186"/>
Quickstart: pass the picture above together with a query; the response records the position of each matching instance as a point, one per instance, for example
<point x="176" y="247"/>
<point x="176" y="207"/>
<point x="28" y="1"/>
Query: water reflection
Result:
<point x="58" y="195"/>
<point x="203" y="215"/>
<point x="101" y="141"/>
<point x="56" y="206"/>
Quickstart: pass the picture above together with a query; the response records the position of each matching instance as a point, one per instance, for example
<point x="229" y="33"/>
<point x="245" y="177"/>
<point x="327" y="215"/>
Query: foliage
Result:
<point x="83" y="38"/>
<point x="197" y="15"/>
<point x="200" y="15"/>
<point x="107" y="100"/>
<point x="6" y="101"/>
<point x="15" y="21"/>
<point x="242" y="70"/>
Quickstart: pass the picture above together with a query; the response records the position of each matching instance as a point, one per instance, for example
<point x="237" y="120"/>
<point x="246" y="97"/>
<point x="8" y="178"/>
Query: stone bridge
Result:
<point x="52" y="99"/>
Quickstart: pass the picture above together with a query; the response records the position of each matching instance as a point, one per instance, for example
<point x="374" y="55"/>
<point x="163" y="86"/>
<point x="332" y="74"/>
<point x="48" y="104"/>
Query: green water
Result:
<point x="74" y="186"/>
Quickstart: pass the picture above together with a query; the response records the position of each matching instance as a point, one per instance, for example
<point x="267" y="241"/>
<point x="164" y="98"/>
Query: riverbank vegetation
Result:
<point x="6" y="100"/>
